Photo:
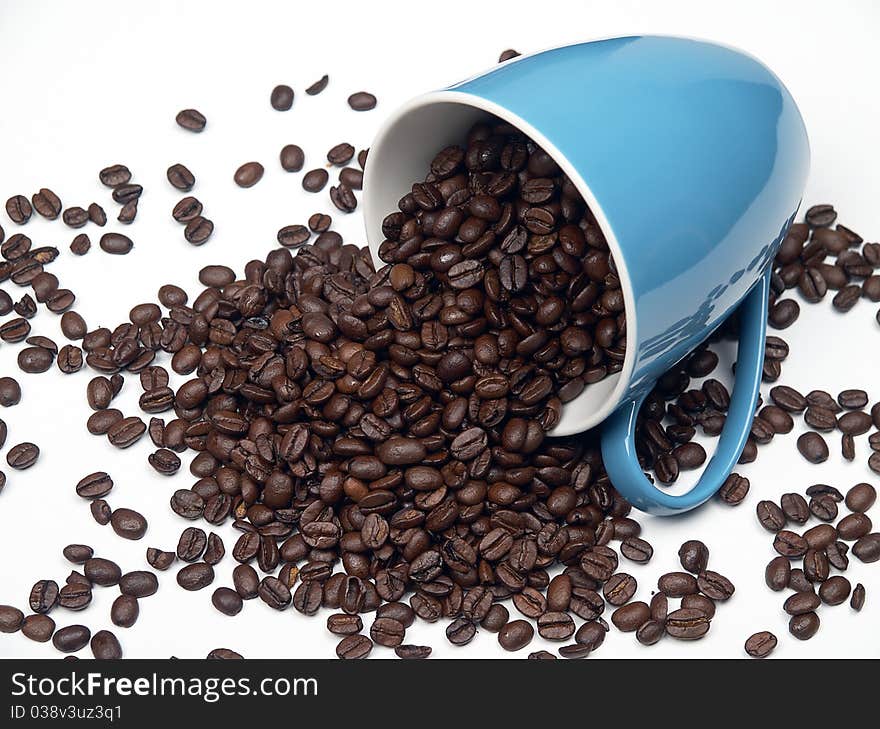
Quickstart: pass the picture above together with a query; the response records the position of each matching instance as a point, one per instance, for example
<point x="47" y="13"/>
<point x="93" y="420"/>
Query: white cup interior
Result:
<point x="401" y="154"/>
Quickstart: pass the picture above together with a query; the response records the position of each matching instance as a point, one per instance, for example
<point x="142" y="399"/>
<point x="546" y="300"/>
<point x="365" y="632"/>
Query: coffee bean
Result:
<point x="70" y="359"/>
<point x="14" y="330"/>
<point x="46" y="203"/>
<point x="80" y="245"/>
<point x="11" y="619"/>
<point x="116" y="243"/>
<point x="715" y="586"/>
<point x="315" y="180"/>
<point x="164" y="461"/>
<point x="836" y="554"/>
<point x="138" y="584"/>
<point x="687" y="624"/>
<point x="191" y="120"/>
<point x="38" y="628"/>
<point x="95" y="485"/>
<point x="495" y="619"/>
<point x="114" y="175"/>
<point x="292" y="158"/>
<point x="619" y="589"/>
<point x="281" y="98"/>
<point x="128" y="193"/>
<point x="15" y="247"/>
<point x="760" y="645"/>
<point x="777" y="573"/>
<point x="77" y="553"/>
<point x="412" y="651"/>
<point x="340" y="154"/>
<point x="867" y="548"/>
<point x="71" y="638"/>
<point x="19" y="209"/>
<point x="820" y="418"/>
<point x="804" y="626"/>
<point x="516" y="635"/>
<point x="854" y="423"/>
<point x="677" y="584"/>
<point x="813" y="447"/>
<point x="352" y="178"/>
<point x="694" y="556"/>
<point x="10" y="392"/>
<point x="631" y="617"/>
<point x="249" y="174"/>
<point x="821" y="536"/>
<point x="224" y="654"/>
<point x="734" y="489"/>
<point x="293" y="236"/>
<point x="180" y="177"/>
<point x="75" y="596"/>
<point x="821" y="216"/>
<point x="835" y="590"/>
<point x="861" y="497"/>
<point x="159" y="560"/>
<point x="343" y="198"/>
<point x="126" y="432"/>
<point x="101" y="421"/>
<point x="44" y="596"/>
<point x="342" y="624"/>
<point x="783" y="313"/>
<point x="854" y="526"/>
<point x="196" y="576"/>
<point x="315" y="89"/>
<point x="857" y="601"/>
<point x="22" y="456"/>
<point x="101" y="511"/>
<point x="789" y="544"/>
<point x="362" y="101"/>
<point x="128" y="524"/>
<point x="354" y="647"/>
<point x="198" y="230"/>
<point x="105" y="646"/>
<point x="636" y="550"/>
<point x="795" y="508"/>
<point x="186" y="210"/>
<point x="824" y="508"/>
<point x="75" y="217"/>
<point x="187" y="504"/>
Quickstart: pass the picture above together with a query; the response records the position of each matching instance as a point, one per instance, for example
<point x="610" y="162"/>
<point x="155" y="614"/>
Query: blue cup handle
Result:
<point x="618" y="432"/>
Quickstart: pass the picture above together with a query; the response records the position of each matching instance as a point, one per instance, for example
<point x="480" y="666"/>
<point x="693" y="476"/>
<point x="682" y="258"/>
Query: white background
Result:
<point x="86" y="85"/>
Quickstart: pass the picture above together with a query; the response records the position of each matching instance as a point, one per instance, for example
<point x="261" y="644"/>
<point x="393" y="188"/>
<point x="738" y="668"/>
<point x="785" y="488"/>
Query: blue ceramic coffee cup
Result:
<point x="693" y="158"/>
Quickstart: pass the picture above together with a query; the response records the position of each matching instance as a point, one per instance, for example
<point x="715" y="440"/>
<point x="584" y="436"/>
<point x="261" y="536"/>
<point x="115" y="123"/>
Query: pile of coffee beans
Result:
<point x="527" y="281"/>
<point x="820" y="548"/>
<point x="381" y="440"/>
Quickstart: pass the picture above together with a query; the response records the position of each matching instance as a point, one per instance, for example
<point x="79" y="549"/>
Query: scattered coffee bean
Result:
<point x="362" y="101"/>
<point x="760" y="645"/>
<point x="292" y="158"/>
<point x="46" y="203"/>
<point x="116" y="243"/>
<point x="19" y="209"/>
<point x="22" y="456"/>
<point x="315" y="180"/>
<point x="128" y="524"/>
<point x="71" y="638"/>
<point x="180" y="177"/>
<point x="804" y="626"/>
<point x="191" y="120"/>
<point x="281" y="98"/>
<point x="249" y="174"/>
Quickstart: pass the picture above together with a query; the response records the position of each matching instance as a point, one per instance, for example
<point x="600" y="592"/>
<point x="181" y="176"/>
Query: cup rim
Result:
<point x="447" y="96"/>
